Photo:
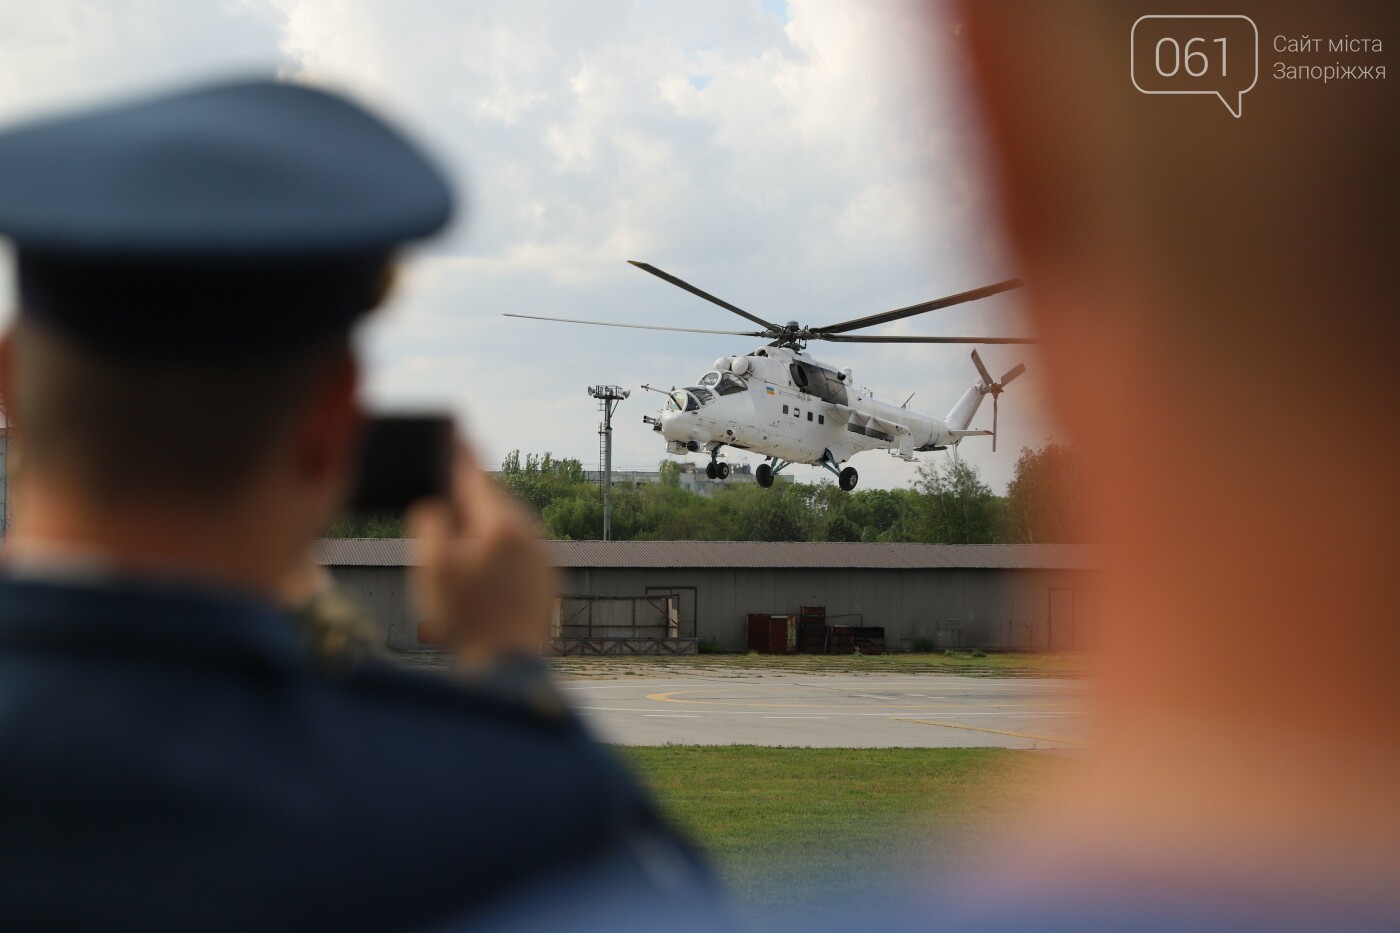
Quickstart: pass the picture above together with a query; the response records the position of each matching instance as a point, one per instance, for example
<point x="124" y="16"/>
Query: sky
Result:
<point x="814" y="160"/>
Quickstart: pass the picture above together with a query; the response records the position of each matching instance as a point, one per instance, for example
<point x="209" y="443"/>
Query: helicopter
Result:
<point x="785" y="405"/>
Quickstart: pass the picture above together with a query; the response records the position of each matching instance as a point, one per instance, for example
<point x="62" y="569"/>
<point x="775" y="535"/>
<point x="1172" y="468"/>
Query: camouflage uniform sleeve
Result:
<point x="336" y="630"/>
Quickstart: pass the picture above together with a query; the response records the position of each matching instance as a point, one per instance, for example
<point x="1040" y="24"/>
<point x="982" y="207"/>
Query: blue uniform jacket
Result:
<point x="173" y="759"/>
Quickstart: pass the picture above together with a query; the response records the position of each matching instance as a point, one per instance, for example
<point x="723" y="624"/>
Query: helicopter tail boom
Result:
<point x="966" y="409"/>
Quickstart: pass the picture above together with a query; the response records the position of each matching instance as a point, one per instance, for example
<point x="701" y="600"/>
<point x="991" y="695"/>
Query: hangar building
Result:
<point x="999" y="596"/>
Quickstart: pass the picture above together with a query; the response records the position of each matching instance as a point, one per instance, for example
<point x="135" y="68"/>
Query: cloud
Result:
<point x="811" y="160"/>
<point x="61" y="53"/>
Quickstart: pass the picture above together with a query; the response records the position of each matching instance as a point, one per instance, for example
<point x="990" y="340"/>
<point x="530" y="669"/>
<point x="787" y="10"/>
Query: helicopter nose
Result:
<point x="675" y="426"/>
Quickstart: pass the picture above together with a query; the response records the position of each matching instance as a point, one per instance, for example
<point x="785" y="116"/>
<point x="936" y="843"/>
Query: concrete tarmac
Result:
<point x="834" y="710"/>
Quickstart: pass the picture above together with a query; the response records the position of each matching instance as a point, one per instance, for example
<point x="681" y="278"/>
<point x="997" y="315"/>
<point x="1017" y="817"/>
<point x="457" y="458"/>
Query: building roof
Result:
<point x="365" y="552"/>
<point x="398" y="552"/>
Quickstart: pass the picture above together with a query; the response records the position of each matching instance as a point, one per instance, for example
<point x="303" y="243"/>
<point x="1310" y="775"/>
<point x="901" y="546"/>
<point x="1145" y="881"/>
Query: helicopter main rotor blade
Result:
<point x="683" y="330"/>
<point x="645" y="267"/>
<point x="936" y="304"/>
<point x="847" y="338"/>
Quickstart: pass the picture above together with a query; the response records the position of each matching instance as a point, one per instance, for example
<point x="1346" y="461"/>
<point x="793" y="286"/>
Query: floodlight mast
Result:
<point x="608" y="398"/>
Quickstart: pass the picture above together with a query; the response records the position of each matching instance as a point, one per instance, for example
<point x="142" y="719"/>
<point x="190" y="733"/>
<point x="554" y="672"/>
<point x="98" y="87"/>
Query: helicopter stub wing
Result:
<point x="873" y="426"/>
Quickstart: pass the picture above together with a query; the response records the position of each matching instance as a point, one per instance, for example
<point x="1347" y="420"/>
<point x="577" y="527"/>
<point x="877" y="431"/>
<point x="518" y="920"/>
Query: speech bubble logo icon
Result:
<point x="1209" y="54"/>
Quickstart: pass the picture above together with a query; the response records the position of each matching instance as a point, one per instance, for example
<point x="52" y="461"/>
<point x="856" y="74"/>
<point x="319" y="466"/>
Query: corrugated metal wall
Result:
<point x="951" y="608"/>
<point x="383" y="592"/>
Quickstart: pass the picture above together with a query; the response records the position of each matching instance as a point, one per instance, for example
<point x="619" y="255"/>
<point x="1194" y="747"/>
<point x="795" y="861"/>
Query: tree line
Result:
<point x="948" y="503"/>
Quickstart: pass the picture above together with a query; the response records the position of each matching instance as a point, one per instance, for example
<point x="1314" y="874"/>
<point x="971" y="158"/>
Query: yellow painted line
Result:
<point x="1018" y="735"/>
<point x="670" y="697"/>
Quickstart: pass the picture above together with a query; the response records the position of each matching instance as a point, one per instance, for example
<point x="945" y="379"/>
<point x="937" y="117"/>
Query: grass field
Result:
<point x="1008" y="664"/>
<point x="786" y="825"/>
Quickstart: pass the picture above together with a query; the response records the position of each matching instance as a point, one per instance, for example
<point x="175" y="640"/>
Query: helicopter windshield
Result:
<point x="704" y="396"/>
<point x="723" y="383"/>
<point x="729" y="384"/>
<point x="681" y="400"/>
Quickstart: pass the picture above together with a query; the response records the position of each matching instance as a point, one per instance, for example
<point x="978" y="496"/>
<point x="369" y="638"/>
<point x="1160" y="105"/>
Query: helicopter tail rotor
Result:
<point x="981" y="370"/>
<point x="994" y="388"/>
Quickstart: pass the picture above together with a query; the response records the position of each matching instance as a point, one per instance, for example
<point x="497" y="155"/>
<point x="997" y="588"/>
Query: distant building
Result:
<point x="692" y="477"/>
<point x="625" y="477"/>
<point x="1001" y="596"/>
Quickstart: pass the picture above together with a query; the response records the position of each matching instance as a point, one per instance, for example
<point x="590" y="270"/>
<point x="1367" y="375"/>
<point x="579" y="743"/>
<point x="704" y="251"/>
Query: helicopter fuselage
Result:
<point x="785" y="405"/>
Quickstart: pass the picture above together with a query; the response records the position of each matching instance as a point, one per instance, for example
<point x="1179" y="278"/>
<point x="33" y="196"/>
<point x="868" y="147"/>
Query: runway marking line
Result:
<point x="1018" y="735"/>
<point x="834" y="684"/>
<point x="670" y="697"/>
<point x="884" y="713"/>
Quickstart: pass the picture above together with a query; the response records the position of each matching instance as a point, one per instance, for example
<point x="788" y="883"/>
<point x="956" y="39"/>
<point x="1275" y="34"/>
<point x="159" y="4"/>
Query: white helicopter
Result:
<point x="791" y="408"/>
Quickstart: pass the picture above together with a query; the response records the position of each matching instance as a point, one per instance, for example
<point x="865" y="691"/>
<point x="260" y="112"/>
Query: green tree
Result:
<point x="886" y="514"/>
<point x="576" y="518"/>
<point x="670" y="472"/>
<point x="380" y="525"/>
<point x="841" y="528"/>
<point x="1045" y="497"/>
<point x="955" y="506"/>
<point x="542" y="479"/>
<point x="778" y="514"/>
<point x="947" y="504"/>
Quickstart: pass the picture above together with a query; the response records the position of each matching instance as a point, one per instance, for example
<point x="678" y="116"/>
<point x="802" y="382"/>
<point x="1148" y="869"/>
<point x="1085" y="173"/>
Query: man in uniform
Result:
<point x="184" y="398"/>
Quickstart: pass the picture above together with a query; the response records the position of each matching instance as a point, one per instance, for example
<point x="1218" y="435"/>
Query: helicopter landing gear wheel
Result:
<point x="712" y="470"/>
<point x="723" y="470"/>
<point x="848" y="479"/>
<point x="764" y="475"/>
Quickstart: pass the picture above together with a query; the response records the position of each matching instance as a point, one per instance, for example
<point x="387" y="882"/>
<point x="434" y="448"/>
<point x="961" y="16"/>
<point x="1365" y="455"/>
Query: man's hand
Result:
<point x="484" y="577"/>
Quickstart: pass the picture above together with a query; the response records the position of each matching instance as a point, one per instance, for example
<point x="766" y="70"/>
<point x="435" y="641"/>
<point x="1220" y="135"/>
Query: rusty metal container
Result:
<point x="772" y="634"/>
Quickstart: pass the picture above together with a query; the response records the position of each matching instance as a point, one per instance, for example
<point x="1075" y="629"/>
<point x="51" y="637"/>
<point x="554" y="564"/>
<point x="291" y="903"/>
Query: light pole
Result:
<point x="608" y="398"/>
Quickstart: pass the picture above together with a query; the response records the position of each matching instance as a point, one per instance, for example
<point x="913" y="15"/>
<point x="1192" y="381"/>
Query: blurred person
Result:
<point x="1216" y="298"/>
<point x="173" y="755"/>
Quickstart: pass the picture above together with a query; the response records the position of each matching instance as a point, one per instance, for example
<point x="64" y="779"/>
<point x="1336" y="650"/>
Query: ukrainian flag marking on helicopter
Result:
<point x="770" y="391"/>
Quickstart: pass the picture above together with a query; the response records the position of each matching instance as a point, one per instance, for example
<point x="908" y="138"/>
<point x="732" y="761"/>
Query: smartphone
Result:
<point x="403" y="458"/>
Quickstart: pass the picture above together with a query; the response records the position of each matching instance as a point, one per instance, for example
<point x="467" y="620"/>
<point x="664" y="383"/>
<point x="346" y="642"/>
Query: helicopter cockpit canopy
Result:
<point x="722" y="382"/>
<point x="691" y="398"/>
